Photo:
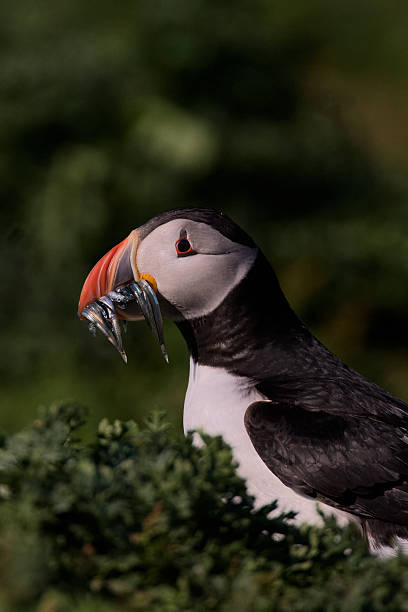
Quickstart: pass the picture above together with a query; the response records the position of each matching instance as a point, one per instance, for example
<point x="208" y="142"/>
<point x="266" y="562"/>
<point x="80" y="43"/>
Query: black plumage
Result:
<point x="212" y="217"/>
<point x="323" y="429"/>
<point x="353" y="463"/>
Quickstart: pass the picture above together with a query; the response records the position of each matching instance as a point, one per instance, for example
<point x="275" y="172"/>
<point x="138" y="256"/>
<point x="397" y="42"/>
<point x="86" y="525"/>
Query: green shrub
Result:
<point x="142" y="519"/>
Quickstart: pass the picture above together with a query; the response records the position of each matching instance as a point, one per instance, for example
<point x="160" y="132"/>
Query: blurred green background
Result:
<point x="289" y="116"/>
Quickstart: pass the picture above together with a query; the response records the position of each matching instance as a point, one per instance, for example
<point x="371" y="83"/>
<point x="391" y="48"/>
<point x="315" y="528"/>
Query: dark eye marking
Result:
<point x="183" y="247"/>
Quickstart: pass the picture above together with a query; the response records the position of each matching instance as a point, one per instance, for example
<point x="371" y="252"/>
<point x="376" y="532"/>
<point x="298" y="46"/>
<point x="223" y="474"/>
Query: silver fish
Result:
<point x="102" y="315"/>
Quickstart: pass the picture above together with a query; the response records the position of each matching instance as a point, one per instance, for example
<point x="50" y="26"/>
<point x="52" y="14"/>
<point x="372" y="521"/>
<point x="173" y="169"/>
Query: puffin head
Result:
<point x="182" y="263"/>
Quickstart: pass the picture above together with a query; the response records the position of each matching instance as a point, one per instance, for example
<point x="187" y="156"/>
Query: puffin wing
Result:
<point x="355" y="464"/>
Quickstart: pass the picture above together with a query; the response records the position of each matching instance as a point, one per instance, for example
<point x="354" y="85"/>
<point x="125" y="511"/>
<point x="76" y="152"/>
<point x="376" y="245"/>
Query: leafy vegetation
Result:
<point x="290" y="117"/>
<point x="141" y="519"/>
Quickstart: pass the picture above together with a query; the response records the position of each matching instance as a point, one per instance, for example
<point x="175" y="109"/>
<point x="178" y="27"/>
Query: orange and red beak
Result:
<point x="114" y="289"/>
<point x="116" y="268"/>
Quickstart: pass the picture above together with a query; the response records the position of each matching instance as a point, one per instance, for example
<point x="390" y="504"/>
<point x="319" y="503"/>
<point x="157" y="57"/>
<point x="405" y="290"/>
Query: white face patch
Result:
<point x="195" y="284"/>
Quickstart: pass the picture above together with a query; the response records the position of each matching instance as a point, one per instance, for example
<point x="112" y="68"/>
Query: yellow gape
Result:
<point x="151" y="280"/>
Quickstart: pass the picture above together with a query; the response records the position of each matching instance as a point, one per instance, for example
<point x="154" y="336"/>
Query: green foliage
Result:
<point x="290" y="117"/>
<point x="142" y="519"/>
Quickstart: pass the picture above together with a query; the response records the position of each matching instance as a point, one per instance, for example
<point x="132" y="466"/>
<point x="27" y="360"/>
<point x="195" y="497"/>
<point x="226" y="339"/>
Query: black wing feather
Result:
<point x="359" y="465"/>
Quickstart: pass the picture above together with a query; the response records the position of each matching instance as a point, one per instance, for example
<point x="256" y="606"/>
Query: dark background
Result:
<point x="289" y="116"/>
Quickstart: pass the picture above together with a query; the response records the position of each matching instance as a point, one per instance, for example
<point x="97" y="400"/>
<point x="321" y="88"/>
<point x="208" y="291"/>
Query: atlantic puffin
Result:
<point x="305" y="428"/>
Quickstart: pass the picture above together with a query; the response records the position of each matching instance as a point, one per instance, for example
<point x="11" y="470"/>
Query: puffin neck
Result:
<point x="254" y="319"/>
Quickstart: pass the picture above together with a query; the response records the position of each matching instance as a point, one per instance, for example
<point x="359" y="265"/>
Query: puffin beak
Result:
<point x="115" y="290"/>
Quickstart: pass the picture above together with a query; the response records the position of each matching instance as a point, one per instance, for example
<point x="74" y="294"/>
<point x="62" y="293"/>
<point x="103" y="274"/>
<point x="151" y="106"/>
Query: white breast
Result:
<point x="216" y="402"/>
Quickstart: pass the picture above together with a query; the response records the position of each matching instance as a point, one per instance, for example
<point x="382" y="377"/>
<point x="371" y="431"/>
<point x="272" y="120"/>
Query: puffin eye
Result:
<point x="183" y="247"/>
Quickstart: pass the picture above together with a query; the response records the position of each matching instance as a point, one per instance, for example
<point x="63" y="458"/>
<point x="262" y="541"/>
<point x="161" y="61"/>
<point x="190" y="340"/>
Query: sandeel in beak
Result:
<point x="108" y="293"/>
<point x="102" y="315"/>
